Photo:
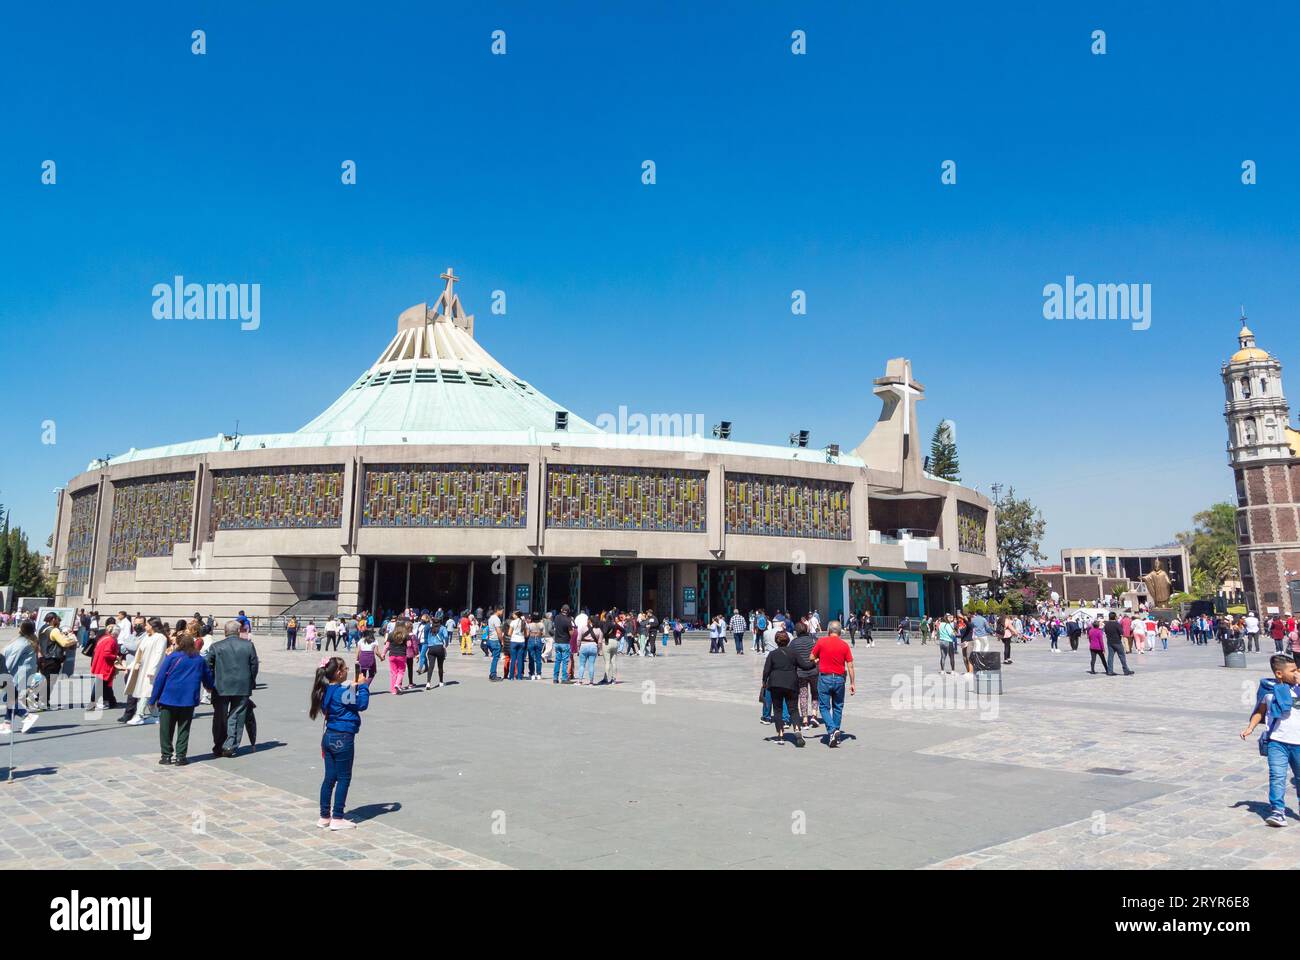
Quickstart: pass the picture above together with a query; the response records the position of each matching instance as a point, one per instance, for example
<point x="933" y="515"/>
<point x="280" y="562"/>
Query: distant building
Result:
<point x="1088" y="574"/>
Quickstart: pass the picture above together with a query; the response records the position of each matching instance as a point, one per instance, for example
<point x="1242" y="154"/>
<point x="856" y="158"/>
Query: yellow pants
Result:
<point x="466" y="643"/>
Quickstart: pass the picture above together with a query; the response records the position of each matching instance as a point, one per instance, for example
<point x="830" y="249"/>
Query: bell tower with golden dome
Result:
<point x="1264" y="453"/>
<point x="1259" y="419"/>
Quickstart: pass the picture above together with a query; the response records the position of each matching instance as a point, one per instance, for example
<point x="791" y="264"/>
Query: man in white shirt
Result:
<point x="1252" y="632"/>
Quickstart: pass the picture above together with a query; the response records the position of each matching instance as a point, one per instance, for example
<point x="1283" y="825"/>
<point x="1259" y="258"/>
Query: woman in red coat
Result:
<point x="104" y="661"/>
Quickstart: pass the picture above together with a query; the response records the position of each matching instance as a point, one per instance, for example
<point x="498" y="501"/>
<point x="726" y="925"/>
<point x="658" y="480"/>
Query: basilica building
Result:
<point x="439" y="478"/>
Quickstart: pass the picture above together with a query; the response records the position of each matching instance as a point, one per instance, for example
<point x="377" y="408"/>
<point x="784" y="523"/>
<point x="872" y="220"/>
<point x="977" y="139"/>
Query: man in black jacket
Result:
<point x="1115" y="643"/>
<point x="233" y="660"/>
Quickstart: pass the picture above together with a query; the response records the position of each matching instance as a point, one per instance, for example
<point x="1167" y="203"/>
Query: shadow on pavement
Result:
<point x="24" y="774"/>
<point x="372" y="810"/>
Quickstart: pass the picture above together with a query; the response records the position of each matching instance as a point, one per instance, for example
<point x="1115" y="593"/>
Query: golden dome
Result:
<point x="1250" y="353"/>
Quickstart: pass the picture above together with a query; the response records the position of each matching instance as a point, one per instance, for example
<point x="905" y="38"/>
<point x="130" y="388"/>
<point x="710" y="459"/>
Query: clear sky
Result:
<point x="775" y="173"/>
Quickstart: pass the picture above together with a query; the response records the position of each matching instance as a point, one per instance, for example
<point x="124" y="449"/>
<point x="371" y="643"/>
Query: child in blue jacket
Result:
<point x="1278" y="699"/>
<point x="341" y="701"/>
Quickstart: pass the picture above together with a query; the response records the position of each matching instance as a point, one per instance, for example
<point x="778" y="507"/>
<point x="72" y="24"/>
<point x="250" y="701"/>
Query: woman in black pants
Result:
<point x="781" y="682"/>
<point x="435" y="652"/>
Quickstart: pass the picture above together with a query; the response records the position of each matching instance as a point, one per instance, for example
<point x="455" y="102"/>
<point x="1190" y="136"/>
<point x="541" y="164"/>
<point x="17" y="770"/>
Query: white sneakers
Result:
<point x="28" y="722"/>
<point x="342" y="825"/>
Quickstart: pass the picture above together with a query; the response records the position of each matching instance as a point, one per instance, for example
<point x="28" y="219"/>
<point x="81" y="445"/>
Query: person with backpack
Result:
<point x="435" y="652"/>
<point x="760" y="628"/>
<point x="54" y="649"/>
<point x="1276" y="702"/>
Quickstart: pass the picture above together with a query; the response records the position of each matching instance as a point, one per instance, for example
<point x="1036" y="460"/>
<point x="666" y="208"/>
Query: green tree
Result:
<point x="1212" y="546"/>
<point x="4" y="551"/>
<point x="943" y="453"/>
<point x="26" y="568"/>
<point x="1021" y="528"/>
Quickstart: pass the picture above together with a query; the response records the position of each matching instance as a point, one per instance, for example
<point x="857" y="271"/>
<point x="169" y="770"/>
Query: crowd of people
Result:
<point x="167" y="670"/>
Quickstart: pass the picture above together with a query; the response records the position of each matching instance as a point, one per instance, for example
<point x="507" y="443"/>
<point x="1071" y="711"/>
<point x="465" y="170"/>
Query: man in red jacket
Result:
<point x="834" y="659"/>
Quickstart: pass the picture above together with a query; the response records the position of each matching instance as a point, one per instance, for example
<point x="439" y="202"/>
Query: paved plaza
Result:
<point x="670" y="769"/>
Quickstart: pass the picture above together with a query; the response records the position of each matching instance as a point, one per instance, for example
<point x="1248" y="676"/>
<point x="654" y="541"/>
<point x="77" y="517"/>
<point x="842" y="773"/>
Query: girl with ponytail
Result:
<point x="341" y="701"/>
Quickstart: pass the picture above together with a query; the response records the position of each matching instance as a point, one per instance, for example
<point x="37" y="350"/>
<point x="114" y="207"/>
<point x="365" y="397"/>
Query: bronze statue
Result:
<point x="1158" y="585"/>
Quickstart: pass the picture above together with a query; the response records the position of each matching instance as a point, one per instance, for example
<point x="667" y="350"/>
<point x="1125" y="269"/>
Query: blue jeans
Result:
<point x="740" y="643"/>
<point x="561" y="668"/>
<point x="1280" y="755"/>
<point x="586" y="662"/>
<point x="338" y="751"/>
<point x="830" y="697"/>
<point x="534" y="657"/>
<point x="494" y="647"/>
<point x="767" y="709"/>
<point x="1110" y="658"/>
<point x="517" y="659"/>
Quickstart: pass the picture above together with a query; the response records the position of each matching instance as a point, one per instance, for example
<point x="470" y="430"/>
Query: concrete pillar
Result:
<point x="949" y="537"/>
<point x="351" y="483"/>
<point x="521" y="572"/>
<point x="202" y="510"/>
<point x="667" y="599"/>
<point x="819" y="595"/>
<point x="99" y="547"/>
<point x="635" y="573"/>
<point x="715" y="508"/>
<point x="351" y="572"/>
<point x="685" y="574"/>
<point x="535" y="497"/>
<point x="860" y="515"/>
<point x="60" y="564"/>
<point x="774" y="588"/>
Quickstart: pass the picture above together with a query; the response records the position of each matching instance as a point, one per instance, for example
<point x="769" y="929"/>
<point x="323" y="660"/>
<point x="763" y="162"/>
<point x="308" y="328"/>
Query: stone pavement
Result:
<point x="132" y="814"/>
<point x="671" y="768"/>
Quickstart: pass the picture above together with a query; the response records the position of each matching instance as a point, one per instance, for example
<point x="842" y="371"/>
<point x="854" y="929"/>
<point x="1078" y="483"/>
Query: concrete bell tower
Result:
<point x="1256" y="410"/>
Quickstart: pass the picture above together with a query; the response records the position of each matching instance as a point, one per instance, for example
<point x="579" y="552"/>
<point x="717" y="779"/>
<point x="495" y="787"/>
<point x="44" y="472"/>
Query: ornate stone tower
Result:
<point x="1262" y="450"/>
<point x="1256" y="409"/>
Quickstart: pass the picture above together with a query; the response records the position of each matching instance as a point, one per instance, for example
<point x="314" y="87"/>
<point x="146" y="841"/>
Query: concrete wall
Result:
<point x="264" y="571"/>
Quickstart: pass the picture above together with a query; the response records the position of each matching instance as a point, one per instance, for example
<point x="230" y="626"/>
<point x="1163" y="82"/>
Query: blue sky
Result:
<point x="775" y="172"/>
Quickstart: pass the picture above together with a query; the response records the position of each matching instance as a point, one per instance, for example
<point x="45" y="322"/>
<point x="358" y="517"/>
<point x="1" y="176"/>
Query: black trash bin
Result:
<point x="1234" y="651"/>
